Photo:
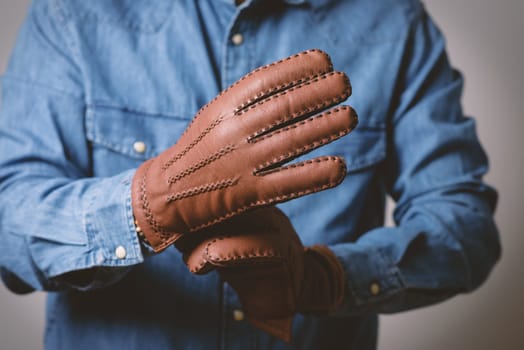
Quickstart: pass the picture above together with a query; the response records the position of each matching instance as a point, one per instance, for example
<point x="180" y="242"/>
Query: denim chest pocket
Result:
<point x="122" y="139"/>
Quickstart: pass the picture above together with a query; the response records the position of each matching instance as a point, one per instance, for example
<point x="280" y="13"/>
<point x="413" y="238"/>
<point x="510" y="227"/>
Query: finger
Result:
<point x="271" y="78"/>
<point x="254" y="235"/>
<point x="265" y="188"/>
<point x="247" y="247"/>
<point x="285" y="144"/>
<point x="195" y="259"/>
<point x="299" y="179"/>
<point x="292" y="104"/>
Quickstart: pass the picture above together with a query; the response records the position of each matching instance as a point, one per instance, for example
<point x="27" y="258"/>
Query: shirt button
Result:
<point x="238" y="315"/>
<point x="120" y="252"/>
<point x="374" y="288"/>
<point x="139" y="147"/>
<point x="237" y="39"/>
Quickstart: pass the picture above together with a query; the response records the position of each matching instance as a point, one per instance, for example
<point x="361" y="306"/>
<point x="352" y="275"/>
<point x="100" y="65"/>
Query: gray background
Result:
<point x="486" y="42"/>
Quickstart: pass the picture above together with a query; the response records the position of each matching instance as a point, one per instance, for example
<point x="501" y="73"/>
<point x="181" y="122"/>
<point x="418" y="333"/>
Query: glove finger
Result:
<point x="235" y="251"/>
<point x="291" y="105"/>
<point x="273" y="186"/>
<point x="259" y="235"/>
<point x="272" y="78"/>
<point x="195" y="257"/>
<point x="285" y="144"/>
<point x="299" y="179"/>
<point x="246" y="248"/>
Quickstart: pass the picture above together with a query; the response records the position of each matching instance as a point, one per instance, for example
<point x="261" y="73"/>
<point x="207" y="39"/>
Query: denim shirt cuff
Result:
<point x="111" y="242"/>
<point x="110" y="224"/>
<point x="371" y="277"/>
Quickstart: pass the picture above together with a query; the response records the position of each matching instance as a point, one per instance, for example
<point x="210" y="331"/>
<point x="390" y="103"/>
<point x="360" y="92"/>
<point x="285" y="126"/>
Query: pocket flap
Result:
<point x="364" y="147"/>
<point x="137" y="135"/>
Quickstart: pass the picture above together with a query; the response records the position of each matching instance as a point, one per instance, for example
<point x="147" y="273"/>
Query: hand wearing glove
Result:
<point x="231" y="157"/>
<point x="260" y="255"/>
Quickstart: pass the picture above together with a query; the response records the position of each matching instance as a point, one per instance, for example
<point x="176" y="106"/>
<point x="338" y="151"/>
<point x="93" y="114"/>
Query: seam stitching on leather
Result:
<point x="193" y="143"/>
<point x="157" y="229"/>
<point x="300" y="151"/>
<point x="268" y="66"/>
<point x="202" y="163"/>
<point x="308" y="81"/>
<point x="302" y="122"/>
<point x="279" y="90"/>
<point x="204" y="261"/>
<point x="195" y="191"/>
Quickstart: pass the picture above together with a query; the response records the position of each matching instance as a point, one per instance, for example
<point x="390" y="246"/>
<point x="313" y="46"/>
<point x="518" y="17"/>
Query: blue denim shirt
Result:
<point x="94" y="88"/>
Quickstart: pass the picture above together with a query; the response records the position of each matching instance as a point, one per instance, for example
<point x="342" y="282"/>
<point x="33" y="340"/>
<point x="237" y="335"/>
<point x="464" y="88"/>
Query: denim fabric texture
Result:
<point x="94" y="88"/>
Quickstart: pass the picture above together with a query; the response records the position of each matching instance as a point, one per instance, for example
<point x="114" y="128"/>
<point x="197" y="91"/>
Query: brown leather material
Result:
<point x="260" y="255"/>
<point x="232" y="157"/>
<point x="277" y="327"/>
<point x="323" y="268"/>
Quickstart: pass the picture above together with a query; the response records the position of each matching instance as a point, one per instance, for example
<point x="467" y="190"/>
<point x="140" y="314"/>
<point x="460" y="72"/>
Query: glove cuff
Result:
<point x="324" y="287"/>
<point x="145" y="224"/>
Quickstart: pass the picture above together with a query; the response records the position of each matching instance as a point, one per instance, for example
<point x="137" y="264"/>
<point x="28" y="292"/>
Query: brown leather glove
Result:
<point x="260" y="255"/>
<point x="230" y="158"/>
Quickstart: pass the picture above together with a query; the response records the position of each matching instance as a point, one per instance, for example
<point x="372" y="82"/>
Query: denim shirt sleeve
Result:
<point x="55" y="219"/>
<point x="445" y="240"/>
